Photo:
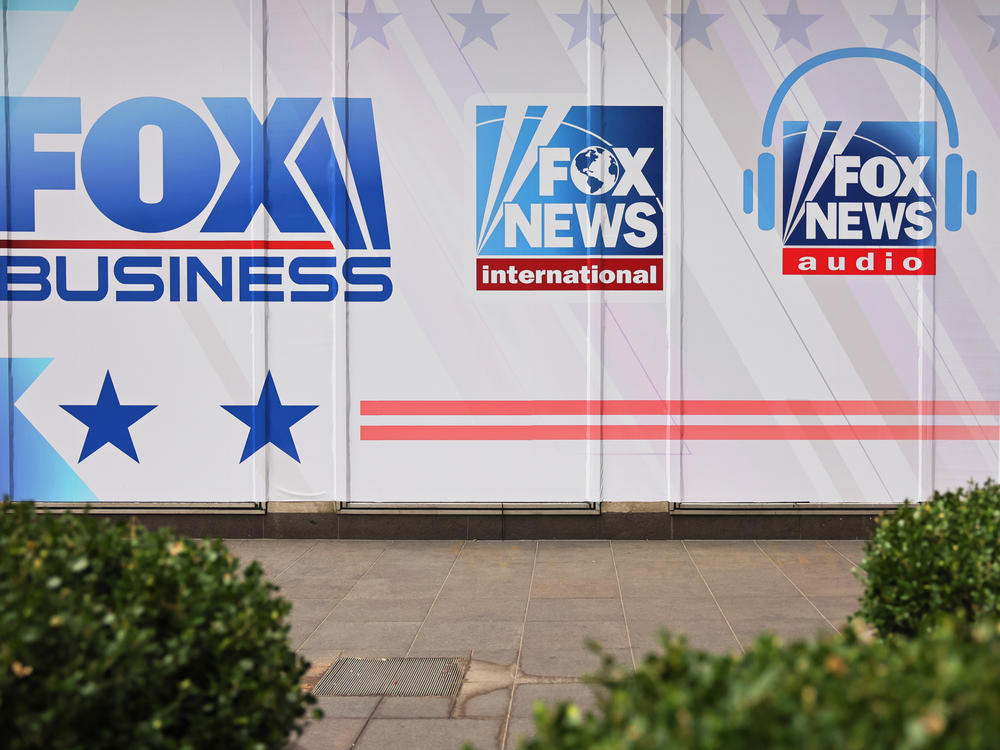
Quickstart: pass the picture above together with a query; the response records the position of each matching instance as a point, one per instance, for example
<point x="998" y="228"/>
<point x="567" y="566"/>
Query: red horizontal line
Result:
<point x="679" y="432"/>
<point x="677" y="407"/>
<point x="20" y="244"/>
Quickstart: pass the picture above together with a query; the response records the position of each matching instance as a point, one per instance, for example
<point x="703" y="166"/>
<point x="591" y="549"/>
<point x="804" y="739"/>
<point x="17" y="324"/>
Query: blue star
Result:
<point x="270" y="421"/>
<point x="900" y="25"/>
<point x="586" y="25"/>
<point x="370" y="24"/>
<point x="792" y="24"/>
<point x="693" y="24"/>
<point x="108" y="421"/>
<point x="478" y="24"/>
<point x="994" y="23"/>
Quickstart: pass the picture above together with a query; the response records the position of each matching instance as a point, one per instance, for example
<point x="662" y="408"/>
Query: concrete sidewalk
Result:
<point x="521" y="612"/>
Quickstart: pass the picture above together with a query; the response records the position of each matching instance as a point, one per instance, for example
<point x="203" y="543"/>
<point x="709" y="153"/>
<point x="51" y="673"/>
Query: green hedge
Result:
<point x="116" y="637"/>
<point x="845" y="692"/>
<point x="939" y="557"/>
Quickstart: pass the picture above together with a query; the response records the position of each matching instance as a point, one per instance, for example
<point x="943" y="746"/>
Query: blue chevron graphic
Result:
<point x="39" y="472"/>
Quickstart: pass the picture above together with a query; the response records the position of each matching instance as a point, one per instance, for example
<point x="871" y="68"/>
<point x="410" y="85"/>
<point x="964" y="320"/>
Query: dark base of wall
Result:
<point x="809" y="525"/>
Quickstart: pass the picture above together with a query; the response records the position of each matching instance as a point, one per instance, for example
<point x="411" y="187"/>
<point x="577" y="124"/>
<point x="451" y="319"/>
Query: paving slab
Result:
<point x="331" y="734"/>
<point x="573" y="551"/>
<point x="502" y="656"/>
<point x="382" y="639"/>
<point x="852" y="550"/>
<point x="546" y="634"/>
<point x="603" y="587"/>
<point x="430" y="734"/>
<point x="415" y="707"/>
<point x="527" y="694"/>
<point x="522" y="611"/>
<point x="348" y="707"/>
<point x="672" y="605"/>
<point x="306" y="616"/>
<point x="518" y="730"/>
<point x="487" y="704"/>
<point x="461" y="636"/>
<point x="674" y="581"/>
<point x="395" y="587"/>
<point x="274" y="555"/>
<point x="485" y="586"/>
<point x="364" y="609"/>
<point x="567" y="662"/>
<point x="477" y="608"/>
<point x="814" y="567"/>
<point x="575" y="610"/>
<point x="710" y="634"/>
<point x="837" y="609"/>
<point x="785" y="628"/>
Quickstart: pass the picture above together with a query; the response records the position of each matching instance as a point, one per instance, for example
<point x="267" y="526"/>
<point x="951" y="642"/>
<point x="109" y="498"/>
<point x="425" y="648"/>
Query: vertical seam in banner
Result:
<point x="592" y="472"/>
<point x="932" y="448"/>
<point x="340" y="438"/>
<point x="349" y="175"/>
<point x="603" y="306"/>
<point x="265" y="170"/>
<point x="663" y="263"/>
<point x="10" y="322"/>
<point x="682" y="220"/>
<point x="922" y="289"/>
<point x="670" y="304"/>
<point x="663" y="257"/>
<point x="588" y="467"/>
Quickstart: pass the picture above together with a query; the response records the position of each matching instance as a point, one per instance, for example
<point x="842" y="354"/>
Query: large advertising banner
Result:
<point x="499" y="251"/>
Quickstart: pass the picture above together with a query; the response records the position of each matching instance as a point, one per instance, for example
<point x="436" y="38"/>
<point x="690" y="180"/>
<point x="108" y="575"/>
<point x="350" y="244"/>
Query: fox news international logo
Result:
<point x="569" y="199"/>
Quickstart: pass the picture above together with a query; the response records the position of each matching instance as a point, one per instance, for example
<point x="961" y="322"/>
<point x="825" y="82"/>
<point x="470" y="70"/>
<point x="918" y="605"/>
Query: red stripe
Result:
<point x="678" y="408"/>
<point x="167" y="244"/>
<point x="679" y="432"/>
<point x="525" y="274"/>
<point x="860" y="261"/>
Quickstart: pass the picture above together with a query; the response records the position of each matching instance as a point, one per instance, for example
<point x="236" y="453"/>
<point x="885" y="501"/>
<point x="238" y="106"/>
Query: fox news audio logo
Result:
<point x="860" y="200"/>
<point x="569" y="199"/>
<point x="869" y="208"/>
<point x="152" y="166"/>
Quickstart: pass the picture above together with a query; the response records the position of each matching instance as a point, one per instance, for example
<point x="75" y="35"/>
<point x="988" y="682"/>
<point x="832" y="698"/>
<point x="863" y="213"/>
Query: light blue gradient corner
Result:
<point x="64" y="5"/>
<point x="39" y="472"/>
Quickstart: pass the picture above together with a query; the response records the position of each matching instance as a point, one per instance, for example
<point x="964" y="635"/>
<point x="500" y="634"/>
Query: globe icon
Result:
<point x="595" y="170"/>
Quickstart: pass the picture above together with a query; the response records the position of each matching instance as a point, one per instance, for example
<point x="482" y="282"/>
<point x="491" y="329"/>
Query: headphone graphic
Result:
<point x="952" y="163"/>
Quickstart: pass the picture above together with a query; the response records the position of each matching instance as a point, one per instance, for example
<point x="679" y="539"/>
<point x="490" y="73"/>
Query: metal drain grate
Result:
<point x="404" y="676"/>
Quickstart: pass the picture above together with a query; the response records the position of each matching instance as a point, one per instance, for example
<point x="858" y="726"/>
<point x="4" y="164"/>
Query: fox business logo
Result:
<point x="569" y="199"/>
<point x="152" y="165"/>
<point x="863" y="200"/>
